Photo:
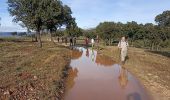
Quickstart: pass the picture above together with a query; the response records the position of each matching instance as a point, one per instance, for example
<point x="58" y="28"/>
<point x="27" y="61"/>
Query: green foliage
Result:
<point x="59" y="33"/>
<point x="132" y="30"/>
<point x="163" y="19"/>
<point x="41" y="14"/>
<point x="107" y="30"/>
<point x="139" y="35"/>
<point x="90" y="33"/>
<point x="74" y="31"/>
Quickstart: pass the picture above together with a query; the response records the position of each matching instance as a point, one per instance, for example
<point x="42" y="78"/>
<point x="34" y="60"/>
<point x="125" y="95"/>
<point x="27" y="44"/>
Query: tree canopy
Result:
<point x="140" y="35"/>
<point x="41" y="14"/>
<point x="163" y="19"/>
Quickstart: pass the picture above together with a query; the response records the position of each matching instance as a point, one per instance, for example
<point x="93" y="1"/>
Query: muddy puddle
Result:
<point x="96" y="77"/>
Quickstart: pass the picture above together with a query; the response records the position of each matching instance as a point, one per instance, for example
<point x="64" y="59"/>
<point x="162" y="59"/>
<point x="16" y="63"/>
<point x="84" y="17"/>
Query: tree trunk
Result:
<point x="36" y="37"/>
<point x="39" y="38"/>
<point x="51" y="36"/>
<point x="109" y="42"/>
<point x="144" y="42"/>
<point x="152" y="46"/>
<point x="36" y="40"/>
<point x="132" y="42"/>
<point x="105" y="42"/>
<point x="158" y="47"/>
<point x="32" y="38"/>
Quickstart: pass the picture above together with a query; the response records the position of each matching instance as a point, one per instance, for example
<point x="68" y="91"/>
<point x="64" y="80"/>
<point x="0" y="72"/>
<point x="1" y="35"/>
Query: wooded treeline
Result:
<point x="50" y="15"/>
<point x="146" y="35"/>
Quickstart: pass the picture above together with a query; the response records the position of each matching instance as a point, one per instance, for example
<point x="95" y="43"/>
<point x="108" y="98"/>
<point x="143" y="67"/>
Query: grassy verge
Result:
<point x="28" y="72"/>
<point x="152" y="69"/>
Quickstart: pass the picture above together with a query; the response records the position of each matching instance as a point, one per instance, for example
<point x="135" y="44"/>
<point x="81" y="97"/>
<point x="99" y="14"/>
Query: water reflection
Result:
<point x="123" y="77"/>
<point x="134" y="96"/>
<point x="87" y="52"/>
<point x="93" y="55"/>
<point x="76" y="53"/>
<point x="72" y="75"/>
<point x="104" y="60"/>
<point x="90" y="79"/>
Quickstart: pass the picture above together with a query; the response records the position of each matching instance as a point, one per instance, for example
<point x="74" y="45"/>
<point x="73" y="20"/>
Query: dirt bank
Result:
<point x="28" y="72"/>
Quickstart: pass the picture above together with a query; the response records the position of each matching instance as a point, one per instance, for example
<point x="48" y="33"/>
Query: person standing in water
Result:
<point x="58" y="38"/>
<point x="71" y="41"/>
<point x="123" y="45"/>
<point x="75" y="39"/>
<point x="97" y="42"/>
<point x="66" y="40"/>
<point x="92" y="42"/>
<point x="87" y="41"/>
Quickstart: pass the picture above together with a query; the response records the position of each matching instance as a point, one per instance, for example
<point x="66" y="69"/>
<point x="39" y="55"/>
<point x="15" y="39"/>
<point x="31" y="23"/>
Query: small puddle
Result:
<point x="96" y="77"/>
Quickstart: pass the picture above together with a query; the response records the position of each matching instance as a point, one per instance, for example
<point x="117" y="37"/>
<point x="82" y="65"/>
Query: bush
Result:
<point x="165" y="44"/>
<point x="138" y="44"/>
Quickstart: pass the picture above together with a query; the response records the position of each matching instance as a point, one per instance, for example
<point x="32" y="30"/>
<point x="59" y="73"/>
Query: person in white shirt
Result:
<point x="123" y="45"/>
<point x="92" y="42"/>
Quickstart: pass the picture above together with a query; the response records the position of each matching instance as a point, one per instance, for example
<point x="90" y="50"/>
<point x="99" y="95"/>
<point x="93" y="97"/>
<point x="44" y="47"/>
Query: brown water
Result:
<point x="96" y="77"/>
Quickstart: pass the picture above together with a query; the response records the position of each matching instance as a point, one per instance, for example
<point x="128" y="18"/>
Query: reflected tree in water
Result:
<point x="72" y="75"/>
<point x="76" y="54"/>
<point x="104" y="60"/>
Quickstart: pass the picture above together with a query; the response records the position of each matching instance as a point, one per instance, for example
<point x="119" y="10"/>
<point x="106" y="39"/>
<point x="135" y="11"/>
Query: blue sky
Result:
<point x="89" y="13"/>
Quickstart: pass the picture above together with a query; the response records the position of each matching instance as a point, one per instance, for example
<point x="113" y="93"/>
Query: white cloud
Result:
<point x="142" y="11"/>
<point x="11" y="29"/>
<point x="89" y="13"/>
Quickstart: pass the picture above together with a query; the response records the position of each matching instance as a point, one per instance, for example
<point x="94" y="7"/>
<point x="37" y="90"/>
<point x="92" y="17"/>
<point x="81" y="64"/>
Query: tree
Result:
<point x="131" y="30"/>
<point x="153" y="35"/>
<point x="90" y="33"/>
<point x="53" y="16"/>
<point x="72" y="28"/>
<point x="40" y="14"/>
<point x="74" y="31"/>
<point x="109" y="31"/>
<point x="163" y="19"/>
<point x="28" y="12"/>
